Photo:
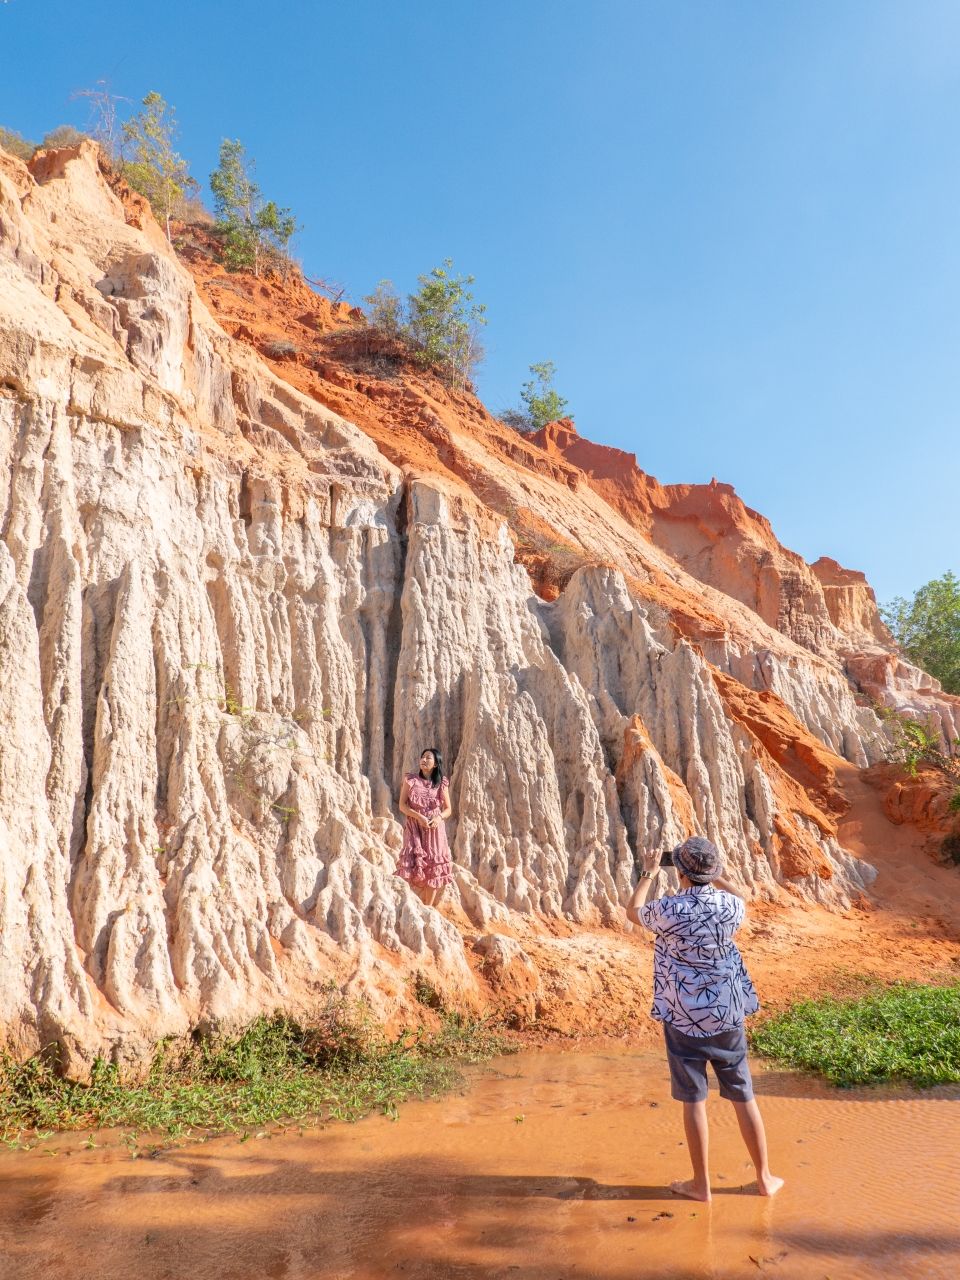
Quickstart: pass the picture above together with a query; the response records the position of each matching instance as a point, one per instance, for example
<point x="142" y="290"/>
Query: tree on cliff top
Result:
<point x="15" y="144"/>
<point x="541" y="402"/>
<point x="927" y="629"/>
<point x="437" y="322"/>
<point x="155" y="169"/>
<point x="253" y="230"/>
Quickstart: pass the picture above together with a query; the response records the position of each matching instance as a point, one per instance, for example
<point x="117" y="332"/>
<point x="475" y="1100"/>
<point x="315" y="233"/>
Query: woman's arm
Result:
<point x="651" y="865"/>
<point x="405" y="808"/>
<point x="447" y="807"/>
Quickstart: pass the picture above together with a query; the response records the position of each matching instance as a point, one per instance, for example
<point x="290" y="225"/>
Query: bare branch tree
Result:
<point x="103" y="121"/>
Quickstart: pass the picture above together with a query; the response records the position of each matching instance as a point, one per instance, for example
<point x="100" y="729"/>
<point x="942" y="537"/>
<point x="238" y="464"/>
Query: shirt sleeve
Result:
<point x="652" y="914"/>
<point x="738" y="910"/>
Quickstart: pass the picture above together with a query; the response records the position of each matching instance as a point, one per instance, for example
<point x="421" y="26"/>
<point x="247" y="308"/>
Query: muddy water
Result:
<point x="552" y="1166"/>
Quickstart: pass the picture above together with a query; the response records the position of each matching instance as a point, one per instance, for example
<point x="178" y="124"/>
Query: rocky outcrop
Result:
<point x="823" y="607"/>
<point x="231" y="617"/>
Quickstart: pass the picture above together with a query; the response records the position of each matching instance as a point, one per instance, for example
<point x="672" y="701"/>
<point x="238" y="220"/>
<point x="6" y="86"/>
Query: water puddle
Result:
<point x="553" y="1165"/>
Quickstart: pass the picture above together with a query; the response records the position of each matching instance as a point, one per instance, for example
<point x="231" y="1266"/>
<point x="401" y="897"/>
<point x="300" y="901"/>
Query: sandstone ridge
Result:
<point x="246" y="576"/>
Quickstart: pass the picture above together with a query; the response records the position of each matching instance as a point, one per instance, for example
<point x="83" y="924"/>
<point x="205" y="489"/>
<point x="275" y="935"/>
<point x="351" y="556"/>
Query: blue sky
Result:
<point x="734" y="225"/>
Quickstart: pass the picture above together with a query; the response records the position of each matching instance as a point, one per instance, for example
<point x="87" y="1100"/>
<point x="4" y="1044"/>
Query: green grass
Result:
<point x="276" y="1071"/>
<point x="902" y="1032"/>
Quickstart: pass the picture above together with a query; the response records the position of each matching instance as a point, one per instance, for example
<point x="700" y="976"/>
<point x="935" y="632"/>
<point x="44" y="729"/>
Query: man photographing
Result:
<point x="701" y="994"/>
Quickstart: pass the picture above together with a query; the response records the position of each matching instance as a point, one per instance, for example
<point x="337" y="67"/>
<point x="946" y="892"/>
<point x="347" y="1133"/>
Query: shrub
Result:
<point x="282" y="348"/>
<point x="541" y="403"/>
<point x="255" y="232"/>
<point x="909" y="1032"/>
<point x="437" y="324"/>
<point x="340" y="1066"/>
<point x="156" y="170"/>
<point x="65" y="135"/>
<point x="444" y="329"/>
<point x="16" y="144"/>
<point x="927" y="629"/>
<point x="386" y="309"/>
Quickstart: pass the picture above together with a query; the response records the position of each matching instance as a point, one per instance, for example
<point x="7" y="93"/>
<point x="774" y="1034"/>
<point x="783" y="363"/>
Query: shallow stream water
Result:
<point x="552" y="1165"/>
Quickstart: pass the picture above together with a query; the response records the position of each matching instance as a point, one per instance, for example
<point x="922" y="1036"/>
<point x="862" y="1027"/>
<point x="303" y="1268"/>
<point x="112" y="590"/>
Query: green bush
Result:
<point x="437" y="324"/>
<point x="16" y="144"/>
<point x="541" y="403"/>
<point x="276" y="1070"/>
<point x="65" y="135"/>
<point x="444" y="329"/>
<point x="255" y="232"/>
<point x="385" y="309"/>
<point x="927" y="629"/>
<point x="905" y="1032"/>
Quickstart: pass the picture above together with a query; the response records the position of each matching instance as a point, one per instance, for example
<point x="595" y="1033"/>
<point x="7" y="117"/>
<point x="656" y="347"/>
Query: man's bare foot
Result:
<point x="693" y="1192"/>
<point x="769" y="1186"/>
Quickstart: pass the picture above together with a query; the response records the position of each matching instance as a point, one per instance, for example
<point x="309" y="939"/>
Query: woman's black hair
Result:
<point x="437" y="776"/>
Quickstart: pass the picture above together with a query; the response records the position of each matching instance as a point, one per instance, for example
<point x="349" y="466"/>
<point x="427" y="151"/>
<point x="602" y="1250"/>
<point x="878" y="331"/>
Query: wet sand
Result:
<point x="462" y="1187"/>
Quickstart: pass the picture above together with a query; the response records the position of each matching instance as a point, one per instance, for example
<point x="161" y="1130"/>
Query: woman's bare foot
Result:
<point x="769" y="1186"/>
<point x="694" y="1192"/>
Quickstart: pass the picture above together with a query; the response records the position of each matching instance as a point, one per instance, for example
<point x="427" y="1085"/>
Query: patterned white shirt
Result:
<point x="700" y="984"/>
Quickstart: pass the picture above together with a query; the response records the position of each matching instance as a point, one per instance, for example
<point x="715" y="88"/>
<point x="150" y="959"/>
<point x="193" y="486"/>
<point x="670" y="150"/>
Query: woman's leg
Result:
<point x="698" y="1142"/>
<point x="752" y="1131"/>
<point x="426" y="893"/>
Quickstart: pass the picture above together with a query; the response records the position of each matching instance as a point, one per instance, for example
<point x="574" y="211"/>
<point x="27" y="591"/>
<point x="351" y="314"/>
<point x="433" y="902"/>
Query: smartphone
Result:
<point x="666" y="858"/>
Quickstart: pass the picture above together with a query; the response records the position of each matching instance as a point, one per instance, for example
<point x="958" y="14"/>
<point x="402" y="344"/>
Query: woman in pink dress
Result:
<point x="425" y="856"/>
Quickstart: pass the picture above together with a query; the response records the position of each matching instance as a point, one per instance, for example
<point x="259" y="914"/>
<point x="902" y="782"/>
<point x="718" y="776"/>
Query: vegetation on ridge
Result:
<point x="254" y="230"/>
<point x="927" y="629"/>
<point x="903" y="1032"/>
<point x="438" y="322"/>
<point x="276" y="1070"/>
<point x="541" y="403"/>
<point x="154" y="168"/>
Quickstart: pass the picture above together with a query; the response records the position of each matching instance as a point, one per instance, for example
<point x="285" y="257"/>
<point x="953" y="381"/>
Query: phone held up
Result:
<point x="666" y="858"/>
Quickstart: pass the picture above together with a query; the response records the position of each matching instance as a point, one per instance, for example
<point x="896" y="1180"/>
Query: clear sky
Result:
<point x="734" y="225"/>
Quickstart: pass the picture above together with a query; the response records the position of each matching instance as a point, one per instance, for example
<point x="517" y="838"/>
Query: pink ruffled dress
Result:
<point x="425" y="856"/>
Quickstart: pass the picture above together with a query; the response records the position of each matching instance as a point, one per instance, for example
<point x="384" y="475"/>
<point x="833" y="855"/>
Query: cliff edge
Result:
<point x="251" y="563"/>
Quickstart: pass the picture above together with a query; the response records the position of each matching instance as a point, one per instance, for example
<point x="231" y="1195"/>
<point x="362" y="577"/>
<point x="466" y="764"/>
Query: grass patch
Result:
<point x="276" y="1071"/>
<point x="902" y="1032"/>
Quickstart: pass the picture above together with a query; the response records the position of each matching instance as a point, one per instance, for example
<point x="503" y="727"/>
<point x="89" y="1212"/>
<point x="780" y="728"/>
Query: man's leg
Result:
<point x="752" y="1131"/>
<point x="698" y="1142"/>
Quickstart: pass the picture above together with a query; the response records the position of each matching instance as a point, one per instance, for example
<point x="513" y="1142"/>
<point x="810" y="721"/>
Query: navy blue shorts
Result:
<point x="688" y="1057"/>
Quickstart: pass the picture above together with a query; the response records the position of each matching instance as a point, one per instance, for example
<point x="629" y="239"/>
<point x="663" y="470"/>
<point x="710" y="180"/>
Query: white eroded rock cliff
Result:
<point x="228" y="625"/>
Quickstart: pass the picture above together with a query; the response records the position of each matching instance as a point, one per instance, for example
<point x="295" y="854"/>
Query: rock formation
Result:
<point x="247" y="572"/>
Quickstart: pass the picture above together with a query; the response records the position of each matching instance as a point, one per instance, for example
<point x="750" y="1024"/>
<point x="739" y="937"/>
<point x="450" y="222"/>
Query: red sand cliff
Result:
<point x="327" y="351"/>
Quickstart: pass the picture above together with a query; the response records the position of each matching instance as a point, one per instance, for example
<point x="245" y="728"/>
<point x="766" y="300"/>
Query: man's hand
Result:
<point x="651" y="859"/>
<point x="651" y="865"/>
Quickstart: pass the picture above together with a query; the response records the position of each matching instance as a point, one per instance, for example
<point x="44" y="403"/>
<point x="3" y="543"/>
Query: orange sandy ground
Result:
<point x="552" y="1166"/>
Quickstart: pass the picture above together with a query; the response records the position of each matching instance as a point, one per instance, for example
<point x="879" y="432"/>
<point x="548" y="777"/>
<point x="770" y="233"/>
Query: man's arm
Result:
<point x="723" y="883"/>
<point x="651" y="865"/>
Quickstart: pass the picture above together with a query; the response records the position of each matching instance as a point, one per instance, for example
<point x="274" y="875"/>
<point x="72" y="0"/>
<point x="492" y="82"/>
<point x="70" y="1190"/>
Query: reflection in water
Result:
<point x="553" y="1166"/>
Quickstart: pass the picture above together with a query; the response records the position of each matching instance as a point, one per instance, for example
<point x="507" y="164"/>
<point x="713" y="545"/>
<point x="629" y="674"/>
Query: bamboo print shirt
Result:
<point x="700" y="984"/>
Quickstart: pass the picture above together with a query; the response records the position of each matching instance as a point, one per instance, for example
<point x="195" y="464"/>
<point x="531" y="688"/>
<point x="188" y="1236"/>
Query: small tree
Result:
<point x="16" y="144"/>
<point x="251" y="228"/>
<point x="386" y="309"/>
<point x="65" y="135"/>
<point x="541" y="402"/>
<point x="102" y="120"/>
<point x="927" y="629"/>
<point x="156" y="170"/>
<point x="445" y="329"/>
